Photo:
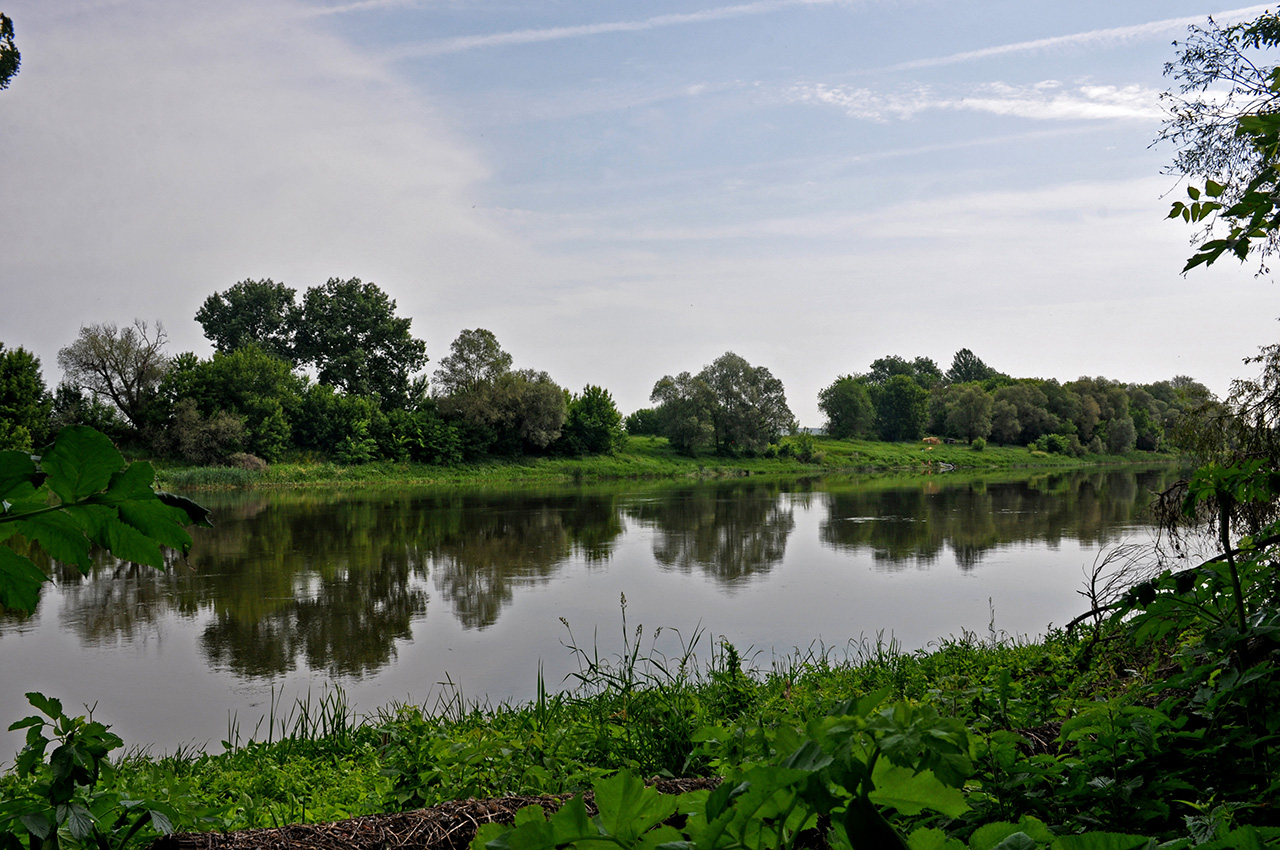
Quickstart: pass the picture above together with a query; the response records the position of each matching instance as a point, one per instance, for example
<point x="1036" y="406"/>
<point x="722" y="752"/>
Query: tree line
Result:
<point x="900" y="399"/>
<point x="338" y="374"/>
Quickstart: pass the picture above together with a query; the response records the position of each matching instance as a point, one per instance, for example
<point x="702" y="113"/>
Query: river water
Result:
<point x="417" y="594"/>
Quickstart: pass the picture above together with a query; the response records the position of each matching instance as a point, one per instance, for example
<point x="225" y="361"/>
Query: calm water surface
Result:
<point x="391" y="593"/>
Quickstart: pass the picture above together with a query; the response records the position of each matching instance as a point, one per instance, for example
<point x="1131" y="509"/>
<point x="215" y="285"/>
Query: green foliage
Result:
<point x="750" y="409"/>
<point x="593" y="424"/>
<point x="10" y="58"/>
<point x="349" y="331"/>
<point x="978" y="444"/>
<point x="257" y="388"/>
<point x="644" y="422"/>
<point x="475" y="359"/>
<point x="60" y="797"/>
<point x="80" y="492"/>
<point x="1228" y="143"/>
<point x="73" y="407"/>
<point x="260" y="313"/>
<point x="737" y="407"/>
<point x="967" y="366"/>
<point x="847" y="405"/>
<point x="901" y="409"/>
<point x="847" y="768"/>
<point x="968" y="412"/>
<point x="684" y="411"/>
<point x="25" y="404"/>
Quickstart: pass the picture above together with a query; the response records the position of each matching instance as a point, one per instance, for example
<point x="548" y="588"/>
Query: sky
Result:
<point x="625" y="191"/>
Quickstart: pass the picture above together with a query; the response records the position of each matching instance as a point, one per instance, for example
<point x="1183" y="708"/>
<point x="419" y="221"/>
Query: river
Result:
<point x="423" y="594"/>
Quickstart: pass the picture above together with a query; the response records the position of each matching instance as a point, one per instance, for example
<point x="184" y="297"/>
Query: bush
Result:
<point x="978" y="444"/>
<point x="644" y="423"/>
<point x="244" y="460"/>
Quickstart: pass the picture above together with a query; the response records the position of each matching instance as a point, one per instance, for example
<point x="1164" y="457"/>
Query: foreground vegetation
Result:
<point x="648" y="458"/>
<point x="1150" y="732"/>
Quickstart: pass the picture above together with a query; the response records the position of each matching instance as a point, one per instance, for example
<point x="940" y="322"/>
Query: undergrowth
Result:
<point x="708" y="711"/>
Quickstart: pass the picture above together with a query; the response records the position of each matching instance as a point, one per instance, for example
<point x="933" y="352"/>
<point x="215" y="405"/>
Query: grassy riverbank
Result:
<point x="1061" y="734"/>
<point x="645" y="458"/>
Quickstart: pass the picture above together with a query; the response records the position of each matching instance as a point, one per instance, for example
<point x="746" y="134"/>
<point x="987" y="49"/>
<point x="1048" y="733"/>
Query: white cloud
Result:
<point x="156" y="152"/>
<point x="1110" y="37"/>
<point x="1045" y="101"/>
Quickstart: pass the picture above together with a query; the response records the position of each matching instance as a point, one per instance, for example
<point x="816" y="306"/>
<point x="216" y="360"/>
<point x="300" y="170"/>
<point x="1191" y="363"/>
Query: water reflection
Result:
<point x="728" y="532"/>
<point x="492" y="544"/>
<point x="339" y="582"/>
<point x="913" y="526"/>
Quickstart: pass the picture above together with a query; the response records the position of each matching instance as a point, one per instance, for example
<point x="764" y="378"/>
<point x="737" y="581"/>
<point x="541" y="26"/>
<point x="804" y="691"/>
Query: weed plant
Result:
<point x="1053" y="737"/>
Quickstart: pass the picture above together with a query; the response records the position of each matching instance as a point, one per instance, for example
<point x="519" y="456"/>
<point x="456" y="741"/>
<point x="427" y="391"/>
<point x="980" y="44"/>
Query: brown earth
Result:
<point x="448" y="826"/>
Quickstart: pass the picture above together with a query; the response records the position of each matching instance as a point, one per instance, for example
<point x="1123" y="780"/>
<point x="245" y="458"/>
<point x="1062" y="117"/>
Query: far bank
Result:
<point x="645" y="458"/>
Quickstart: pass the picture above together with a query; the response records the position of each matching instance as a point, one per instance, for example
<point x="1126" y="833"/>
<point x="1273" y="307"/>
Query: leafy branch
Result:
<point x="78" y="493"/>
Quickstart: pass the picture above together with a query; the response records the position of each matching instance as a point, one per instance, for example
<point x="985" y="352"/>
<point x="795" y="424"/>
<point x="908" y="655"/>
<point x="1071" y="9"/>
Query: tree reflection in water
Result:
<point x="729" y="532"/>
<point x="336" y="581"/>
<point x="913" y="525"/>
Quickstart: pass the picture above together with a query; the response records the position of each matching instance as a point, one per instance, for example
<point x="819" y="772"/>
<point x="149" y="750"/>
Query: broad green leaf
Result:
<point x="20" y="581"/>
<point x="78" y="819"/>
<point x="910" y="792"/>
<point x="809" y="756"/>
<point x="19" y="477"/>
<point x="627" y="808"/>
<point x="572" y="823"/>
<point x="124" y="541"/>
<point x="39" y="824"/>
<point x="1103" y="841"/>
<point x="196" y="514"/>
<point x="529" y="814"/>
<point x="997" y="836"/>
<point x="132" y="482"/>
<point x="488" y="833"/>
<point x="162" y="821"/>
<point x="665" y="837"/>
<point x="158" y="521"/>
<point x="932" y="839"/>
<point x="1244" y="838"/>
<point x="80" y="463"/>
<point x="59" y="534"/>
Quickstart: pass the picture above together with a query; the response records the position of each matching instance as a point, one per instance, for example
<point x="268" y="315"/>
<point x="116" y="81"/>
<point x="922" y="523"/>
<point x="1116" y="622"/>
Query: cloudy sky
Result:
<point x="622" y="191"/>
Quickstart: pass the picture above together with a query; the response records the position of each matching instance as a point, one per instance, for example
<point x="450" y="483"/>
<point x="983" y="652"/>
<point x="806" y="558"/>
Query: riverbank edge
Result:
<point x="646" y="459"/>
<point x="320" y="762"/>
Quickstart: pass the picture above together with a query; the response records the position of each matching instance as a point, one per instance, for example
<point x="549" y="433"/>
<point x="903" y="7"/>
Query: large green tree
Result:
<point x="750" y="408"/>
<point x="967" y="366"/>
<point x="847" y="405"/>
<point x="684" y="407"/>
<point x="475" y="358"/>
<point x="968" y="414"/>
<point x="902" y="408"/>
<point x="25" y="403"/>
<point x="253" y="312"/>
<point x="593" y="424"/>
<point x="123" y="365"/>
<point x="349" y="331"/>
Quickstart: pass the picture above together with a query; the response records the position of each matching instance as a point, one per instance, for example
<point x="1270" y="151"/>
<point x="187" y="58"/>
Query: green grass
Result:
<point x="643" y="458"/>
<point x="703" y="710"/>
